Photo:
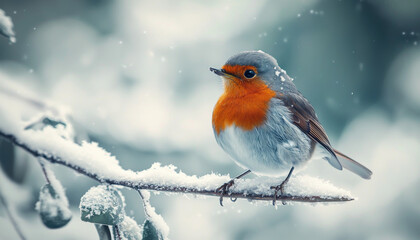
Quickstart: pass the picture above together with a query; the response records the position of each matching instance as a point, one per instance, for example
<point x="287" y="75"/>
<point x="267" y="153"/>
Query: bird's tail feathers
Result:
<point x="353" y="166"/>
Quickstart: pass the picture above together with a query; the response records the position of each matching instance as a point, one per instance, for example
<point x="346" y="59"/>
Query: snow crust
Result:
<point x="130" y="229"/>
<point x="6" y="26"/>
<point x="99" y="200"/>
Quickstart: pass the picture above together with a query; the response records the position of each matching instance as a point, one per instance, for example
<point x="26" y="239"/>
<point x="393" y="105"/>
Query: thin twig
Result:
<point x="151" y="215"/>
<point x="145" y="203"/>
<point x="117" y="232"/>
<point x="167" y="188"/>
<point x="44" y="171"/>
<point x="31" y="101"/>
<point x="11" y="217"/>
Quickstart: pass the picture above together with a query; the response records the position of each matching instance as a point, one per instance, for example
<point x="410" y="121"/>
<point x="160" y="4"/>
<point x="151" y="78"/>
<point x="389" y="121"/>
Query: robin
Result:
<point x="266" y="125"/>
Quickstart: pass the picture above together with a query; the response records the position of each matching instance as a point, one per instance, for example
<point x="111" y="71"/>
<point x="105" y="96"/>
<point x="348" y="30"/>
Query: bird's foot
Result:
<point x="225" y="187"/>
<point x="281" y="187"/>
<point x="224" y="190"/>
<point x="276" y="191"/>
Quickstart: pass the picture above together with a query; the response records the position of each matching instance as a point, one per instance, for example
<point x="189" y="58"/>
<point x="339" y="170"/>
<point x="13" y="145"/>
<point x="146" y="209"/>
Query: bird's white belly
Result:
<point x="254" y="150"/>
<point x="236" y="147"/>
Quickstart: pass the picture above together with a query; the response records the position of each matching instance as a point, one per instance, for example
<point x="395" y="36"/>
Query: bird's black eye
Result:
<point x="249" y="73"/>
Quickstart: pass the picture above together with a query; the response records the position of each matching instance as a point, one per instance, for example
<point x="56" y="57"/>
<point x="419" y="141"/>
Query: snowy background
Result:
<point x="134" y="75"/>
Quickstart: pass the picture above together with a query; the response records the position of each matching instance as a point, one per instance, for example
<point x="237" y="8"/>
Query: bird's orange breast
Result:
<point x="243" y="104"/>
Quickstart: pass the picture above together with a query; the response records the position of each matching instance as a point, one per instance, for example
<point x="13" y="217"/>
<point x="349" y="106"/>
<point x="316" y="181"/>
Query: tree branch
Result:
<point x="250" y="193"/>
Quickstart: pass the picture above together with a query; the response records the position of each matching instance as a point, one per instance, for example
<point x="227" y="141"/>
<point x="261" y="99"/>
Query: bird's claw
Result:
<point x="224" y="190"/>
<point x="281" y="187"/>
<point x="276" y="190"/>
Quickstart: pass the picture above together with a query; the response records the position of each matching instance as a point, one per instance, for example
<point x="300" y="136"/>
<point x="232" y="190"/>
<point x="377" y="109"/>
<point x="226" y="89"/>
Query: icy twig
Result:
<point x="152" y="216"/>
<point x="117" y="232"/>
<point x="44" y="171"/>
<point x="11" y="217"/>
<point x="31" y="100"/>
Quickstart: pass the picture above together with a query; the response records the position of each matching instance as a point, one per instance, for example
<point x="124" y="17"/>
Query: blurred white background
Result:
<point x="135" y="76"/>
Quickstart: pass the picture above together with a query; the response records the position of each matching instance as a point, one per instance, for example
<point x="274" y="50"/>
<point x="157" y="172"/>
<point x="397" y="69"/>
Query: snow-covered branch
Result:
<point x="94" y="162"/>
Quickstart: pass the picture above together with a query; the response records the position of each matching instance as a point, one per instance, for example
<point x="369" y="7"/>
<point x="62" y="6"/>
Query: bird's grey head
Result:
<point x="259" y="59"/>
<point x="245" y="64"/>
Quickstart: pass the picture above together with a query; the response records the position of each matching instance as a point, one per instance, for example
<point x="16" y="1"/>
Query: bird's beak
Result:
<point x="220" y="72"/>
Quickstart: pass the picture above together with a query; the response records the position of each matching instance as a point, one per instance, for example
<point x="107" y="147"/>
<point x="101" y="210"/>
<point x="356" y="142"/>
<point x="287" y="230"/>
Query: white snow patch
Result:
<point x="298" y="185"/>
<point x="130" y="229"/>
<point x="53" y="205"/>
<point x="156" y="219"/>
<point x="6" y="27"/>
<point x="99" y="200"/>
<point x="63" y="127"/>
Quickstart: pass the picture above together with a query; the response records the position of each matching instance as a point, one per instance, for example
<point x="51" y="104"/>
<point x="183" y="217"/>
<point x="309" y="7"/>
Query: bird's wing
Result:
<point x="304" y="117"/>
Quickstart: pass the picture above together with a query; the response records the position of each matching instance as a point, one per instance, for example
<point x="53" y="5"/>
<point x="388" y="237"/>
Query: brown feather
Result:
<point x="305" y="119"/>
